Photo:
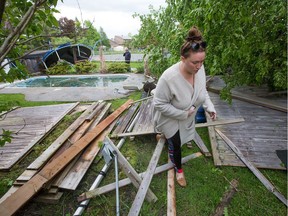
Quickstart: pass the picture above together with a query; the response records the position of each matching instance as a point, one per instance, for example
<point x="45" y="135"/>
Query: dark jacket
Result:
<point x="127" y="55"/>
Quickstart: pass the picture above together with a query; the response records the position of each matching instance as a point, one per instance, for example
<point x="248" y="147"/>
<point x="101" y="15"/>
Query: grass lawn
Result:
<point x="7" y="101"/>
<point x="206" y="183"/>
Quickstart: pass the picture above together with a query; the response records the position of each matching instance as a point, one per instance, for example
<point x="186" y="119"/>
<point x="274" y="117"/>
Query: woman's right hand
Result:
<point x="191" y="111"/>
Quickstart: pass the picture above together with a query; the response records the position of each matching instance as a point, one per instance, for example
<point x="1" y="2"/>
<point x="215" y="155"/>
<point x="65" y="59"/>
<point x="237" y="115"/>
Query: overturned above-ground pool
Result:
<point x="72" y="81"/>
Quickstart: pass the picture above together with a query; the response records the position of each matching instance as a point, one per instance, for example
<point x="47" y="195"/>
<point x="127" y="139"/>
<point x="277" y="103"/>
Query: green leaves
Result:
<point x="6" y="136"/>
<point x="246" y="39"/>
<point x="30" y="25"/>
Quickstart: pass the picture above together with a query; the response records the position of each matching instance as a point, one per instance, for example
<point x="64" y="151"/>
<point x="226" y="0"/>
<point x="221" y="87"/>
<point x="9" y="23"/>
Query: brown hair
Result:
<point x="194" y="36"/>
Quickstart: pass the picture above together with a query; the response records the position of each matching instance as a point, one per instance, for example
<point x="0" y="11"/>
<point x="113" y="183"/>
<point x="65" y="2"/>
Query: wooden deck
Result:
<point x="145" y="120"/>
<point x="263" y="132"/>
<point x="29" y="126"/>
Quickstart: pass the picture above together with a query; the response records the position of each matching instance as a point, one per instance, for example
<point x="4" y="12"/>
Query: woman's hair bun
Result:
<point x="194" y="38"/>
<point x="194" y="35"/>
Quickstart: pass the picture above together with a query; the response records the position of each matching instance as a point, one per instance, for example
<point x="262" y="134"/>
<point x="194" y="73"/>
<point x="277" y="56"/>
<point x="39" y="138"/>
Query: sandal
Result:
<point x="181" y="179"/>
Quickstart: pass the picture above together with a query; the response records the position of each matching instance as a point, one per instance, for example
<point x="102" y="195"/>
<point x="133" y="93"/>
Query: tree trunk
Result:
<point x="2" y="7"/>
<point x="12" y="38"/>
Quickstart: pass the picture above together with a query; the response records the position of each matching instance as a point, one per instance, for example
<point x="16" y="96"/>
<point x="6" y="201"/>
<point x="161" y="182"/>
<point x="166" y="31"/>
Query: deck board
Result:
<point x="30" y="124"/>
<point x="262" y="133"/>
<point x="145" y="121"/>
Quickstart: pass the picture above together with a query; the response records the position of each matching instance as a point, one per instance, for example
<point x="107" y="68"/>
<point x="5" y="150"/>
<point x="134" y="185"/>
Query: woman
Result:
<point x="180" y="91"/>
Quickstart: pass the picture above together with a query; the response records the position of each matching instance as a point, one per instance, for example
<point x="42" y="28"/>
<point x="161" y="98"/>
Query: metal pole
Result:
<point x="117" y="184"/>
<point x="99" y="178"/>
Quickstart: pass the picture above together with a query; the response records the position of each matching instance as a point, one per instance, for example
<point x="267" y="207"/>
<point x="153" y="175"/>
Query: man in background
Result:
<point x="127" y="56"/>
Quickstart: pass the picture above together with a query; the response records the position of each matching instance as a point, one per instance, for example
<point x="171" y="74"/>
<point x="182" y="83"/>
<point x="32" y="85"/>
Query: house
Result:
<point x="118" y="43"/>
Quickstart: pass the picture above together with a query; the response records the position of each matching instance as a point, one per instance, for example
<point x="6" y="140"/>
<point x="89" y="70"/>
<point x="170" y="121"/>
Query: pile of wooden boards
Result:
<point x="65" y="162"/>
<point x="71" y="150"/>
<point x="74" y="172"/>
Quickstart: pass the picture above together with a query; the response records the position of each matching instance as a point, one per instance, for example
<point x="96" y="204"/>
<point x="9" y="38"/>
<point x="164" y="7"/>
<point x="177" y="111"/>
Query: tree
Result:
<point x="104" y="38"/>
<point x="22" y="21"/>
<point x="247" y="40"/>
<point x="89" y="34"/>
<point x="67" y="27"/>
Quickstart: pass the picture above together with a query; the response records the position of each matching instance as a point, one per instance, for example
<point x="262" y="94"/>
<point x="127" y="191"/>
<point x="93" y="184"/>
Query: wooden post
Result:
<point x="171" y="195"/>
<point x="139" y="199"/>
<point x="253" y="169"/>
<point x="33" y="186"/>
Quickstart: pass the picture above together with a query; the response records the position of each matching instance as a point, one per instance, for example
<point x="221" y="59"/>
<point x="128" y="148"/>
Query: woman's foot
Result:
<point x="181" y="179"/>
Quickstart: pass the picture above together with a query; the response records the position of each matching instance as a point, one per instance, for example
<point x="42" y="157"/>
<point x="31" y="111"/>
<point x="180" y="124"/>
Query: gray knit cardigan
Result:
<point x="173" y="97"/>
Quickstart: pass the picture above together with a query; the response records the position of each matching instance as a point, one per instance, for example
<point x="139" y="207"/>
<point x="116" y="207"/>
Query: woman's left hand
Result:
<point x="213" y="115"/>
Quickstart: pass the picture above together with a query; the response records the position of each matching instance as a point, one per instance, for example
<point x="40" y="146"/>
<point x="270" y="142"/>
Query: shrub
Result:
<point x="117" y="67"/>
<point x="62" y="67"/>
<point x="140" y="69"/>
<point x="84" y="67"/>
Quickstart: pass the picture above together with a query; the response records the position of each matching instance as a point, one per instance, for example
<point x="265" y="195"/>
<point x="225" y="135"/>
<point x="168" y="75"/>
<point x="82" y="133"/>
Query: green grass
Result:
<point x="132" y="64"/>
<point x="7" y="101"/>
<point x="206" y="183"/>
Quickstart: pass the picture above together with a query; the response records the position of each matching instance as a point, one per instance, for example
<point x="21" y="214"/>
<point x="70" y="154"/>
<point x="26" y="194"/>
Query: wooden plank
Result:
<point x="171" y="194"/>
<point x="101" y="115"/>
<point x="127" y="181"/>
<point x="73" y="178"/>
<point x="199" y="125"/>
<point x="73" y="138"/>
<point x="124" y="119"/>
<point x="130" y="171"/>
<point x="253" y="169"/>
<point x="219" y="122"/>
<point x="145" y="122"/>
<point x="132" y="134"/>
<point x="61" y="139"/>
<point x="58" y="181"/>
<point x="95" y="111"/>
<point x="148" y="117"/>
<point x="26" y="175"/>
<point x="9" y="192"/>
<point x="49" y="198"/>
<point x="10" y="205"/>
<point x="143" y="99"/>
<point x="80" y="108"/>
<point x="144" y="186"/>
<point x="252" y="99"/>
<point x="83" y="205"/>
<point x="78" y="133"/>
<point x="199" y="142"/>
<point x="213" y="142"/>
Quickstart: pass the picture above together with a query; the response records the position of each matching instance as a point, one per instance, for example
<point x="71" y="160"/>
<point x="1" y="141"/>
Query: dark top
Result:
<point x="127" y="55"/>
